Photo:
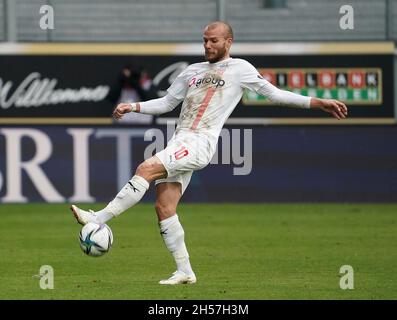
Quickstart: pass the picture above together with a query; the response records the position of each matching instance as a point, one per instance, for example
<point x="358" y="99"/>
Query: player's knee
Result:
<point x="164" y="210"/>
<point x="144" y="169"/>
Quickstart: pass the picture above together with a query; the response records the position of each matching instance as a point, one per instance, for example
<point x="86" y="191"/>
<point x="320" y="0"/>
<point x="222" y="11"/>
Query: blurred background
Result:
<point x="183" y="20"/>
<point x="64" y="65"/>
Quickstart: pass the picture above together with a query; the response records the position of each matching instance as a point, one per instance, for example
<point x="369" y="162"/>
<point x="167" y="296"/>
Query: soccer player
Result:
<point x="210" y="91"/>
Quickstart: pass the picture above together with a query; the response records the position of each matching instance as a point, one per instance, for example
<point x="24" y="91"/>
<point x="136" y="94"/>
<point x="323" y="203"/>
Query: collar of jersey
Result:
<point x="220" y="62"/>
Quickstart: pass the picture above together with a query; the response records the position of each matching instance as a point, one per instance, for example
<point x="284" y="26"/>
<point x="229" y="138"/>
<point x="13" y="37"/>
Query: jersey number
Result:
<point x="182" y="152"/>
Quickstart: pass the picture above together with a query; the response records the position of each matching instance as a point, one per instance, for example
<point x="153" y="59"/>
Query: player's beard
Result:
<point x="217" y="57"/>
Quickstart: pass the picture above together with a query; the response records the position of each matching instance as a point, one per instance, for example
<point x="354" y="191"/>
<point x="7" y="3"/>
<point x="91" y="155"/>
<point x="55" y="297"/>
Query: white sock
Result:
<point x="174" y="238"/>
<point x="130" y="195"/>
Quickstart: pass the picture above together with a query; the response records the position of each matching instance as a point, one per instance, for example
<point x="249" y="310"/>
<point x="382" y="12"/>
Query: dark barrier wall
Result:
<point x="266" y="164"/>
<point x="81" y="86"/>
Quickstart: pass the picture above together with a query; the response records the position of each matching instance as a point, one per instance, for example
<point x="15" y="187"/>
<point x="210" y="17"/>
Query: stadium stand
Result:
<point x="182" y="20"/>
<point x="305" y="20"/>
<point x="2" y="22"/>
<point x="392" y="14"/>
<point x="135" y="20"/>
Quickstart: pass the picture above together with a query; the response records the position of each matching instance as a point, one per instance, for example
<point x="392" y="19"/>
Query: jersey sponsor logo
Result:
<point x="217" y="82"/>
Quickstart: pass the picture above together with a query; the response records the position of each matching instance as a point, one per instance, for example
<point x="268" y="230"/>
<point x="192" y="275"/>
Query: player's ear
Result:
<point x="229" y="42"/>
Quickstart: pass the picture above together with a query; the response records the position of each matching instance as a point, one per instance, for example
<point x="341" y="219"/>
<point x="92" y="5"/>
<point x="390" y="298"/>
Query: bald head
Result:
<point x="224" y="28"/>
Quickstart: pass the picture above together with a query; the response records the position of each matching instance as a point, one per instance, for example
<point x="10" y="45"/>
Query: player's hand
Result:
<point x="121" y="109"/>
<point x="336" y="108"/>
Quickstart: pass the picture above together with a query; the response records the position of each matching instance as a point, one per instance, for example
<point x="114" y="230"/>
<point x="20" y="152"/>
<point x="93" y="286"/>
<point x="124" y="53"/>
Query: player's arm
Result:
<point x="176" y="94"/>
<point x="282" y="97"/>
<point x="154" y="106"/>
<point x="250" y="79"/>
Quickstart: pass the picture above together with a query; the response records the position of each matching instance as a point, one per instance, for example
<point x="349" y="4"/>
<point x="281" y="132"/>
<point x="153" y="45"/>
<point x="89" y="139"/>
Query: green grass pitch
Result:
<point x="238" y="251"/>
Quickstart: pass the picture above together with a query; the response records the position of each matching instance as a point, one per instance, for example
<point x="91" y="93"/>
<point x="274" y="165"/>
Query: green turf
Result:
<point x="256" y="251"/>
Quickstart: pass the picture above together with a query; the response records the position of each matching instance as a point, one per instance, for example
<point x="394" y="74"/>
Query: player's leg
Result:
<point x="168" y="195"/>
<point x="128" y="196"/>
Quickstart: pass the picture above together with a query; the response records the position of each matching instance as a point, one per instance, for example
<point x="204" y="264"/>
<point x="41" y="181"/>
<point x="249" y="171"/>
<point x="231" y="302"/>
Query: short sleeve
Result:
<point x="179" y="87"/>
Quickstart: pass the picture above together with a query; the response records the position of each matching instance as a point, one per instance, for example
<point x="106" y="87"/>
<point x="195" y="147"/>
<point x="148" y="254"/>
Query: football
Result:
<point x="95" y="239"/>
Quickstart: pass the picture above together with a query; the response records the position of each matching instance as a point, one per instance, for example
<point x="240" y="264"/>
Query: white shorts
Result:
<point x="182" y="178"/>
<point x="184" y="154"/>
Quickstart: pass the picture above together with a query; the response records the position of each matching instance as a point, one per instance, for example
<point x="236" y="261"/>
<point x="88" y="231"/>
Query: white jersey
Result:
<point x="211" y="91"/>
